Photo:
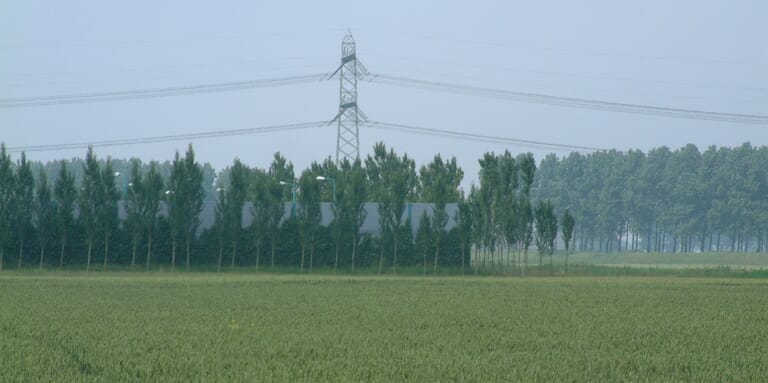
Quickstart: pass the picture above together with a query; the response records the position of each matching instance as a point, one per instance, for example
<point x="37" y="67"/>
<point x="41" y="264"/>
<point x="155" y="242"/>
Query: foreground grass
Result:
<point x="238" y="327"/>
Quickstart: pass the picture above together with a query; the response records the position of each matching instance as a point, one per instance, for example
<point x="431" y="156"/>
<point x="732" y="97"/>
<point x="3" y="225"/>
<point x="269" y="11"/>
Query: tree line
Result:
<point x="148" y="214"/>
<point x="100" y="212"/>
<point x="664" y="200"/>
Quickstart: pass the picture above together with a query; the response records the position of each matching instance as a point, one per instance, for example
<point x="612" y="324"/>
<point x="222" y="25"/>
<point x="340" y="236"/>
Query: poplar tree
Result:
<point x="439" y="182"/>
<point x="66" y="198"/>
<point x="152" y="192"/>
<point x="235" y="195"/>
<point x="24" y="201"/>
<point x="7" y="207"/>
<point x="107" y="206"/>
<point x="46" y="214"/>
<point x="355" y="194"/>
<point x="88" y="202"/>
<point x="193" y="196"/>
<point x="567" y="222"/>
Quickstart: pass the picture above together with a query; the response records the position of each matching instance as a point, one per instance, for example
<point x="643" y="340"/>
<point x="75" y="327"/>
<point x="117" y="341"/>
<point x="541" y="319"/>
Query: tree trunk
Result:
<point x="336" y="261"/>
<point x="106" y="251"/>
<point x="133" y="255"/>
<point x="272" y="243"/>
<point x="189" y="241"/>
<point x="42" y="253"/>
<point x="234" y="254"/>
<point x="626" y="239"/>
<point x="354" y="250"/>
<point x="394" y="260"/>
<point x="173" y="254"/>
<point x="381" y="257"/>
<point x="88" y="262"/>
<point x="541" y="265"/>
<point x="525" y="260"/>
<point x="566" y="257"/>
<point x="717" y="246"/>
<point x="149" y="248"/>
<point x="2" y="256"/>
<point x="437" y="252"/>
<point x="21" y="252"/>
<point x="301" y="264"/>
<point x="221" y="254"/>
<point x="258" y="251"/>
<point x="61" y="256"/>
<point x="311" y="255"/>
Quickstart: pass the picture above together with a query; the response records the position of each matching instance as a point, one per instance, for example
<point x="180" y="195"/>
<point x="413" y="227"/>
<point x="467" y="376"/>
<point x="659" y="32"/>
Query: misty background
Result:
<point x="703" y="55"/>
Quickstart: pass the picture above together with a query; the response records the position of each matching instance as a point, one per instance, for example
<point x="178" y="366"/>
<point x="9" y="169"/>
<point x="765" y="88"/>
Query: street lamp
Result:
<point x="125" y="187"/>
<point x="293" y="192"/>
<point x="333" y="181"/>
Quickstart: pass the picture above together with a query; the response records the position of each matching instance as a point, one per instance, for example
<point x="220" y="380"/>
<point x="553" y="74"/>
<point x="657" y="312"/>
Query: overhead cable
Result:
<point x="167" y="138"/>
<point x="479" y="137"/>
<point x="158" y="92"/>
<point x="572" y="102"/>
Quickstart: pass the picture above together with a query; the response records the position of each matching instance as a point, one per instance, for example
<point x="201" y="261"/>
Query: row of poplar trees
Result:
<point x="101" y="212"/>
<point x="665" y="200"/>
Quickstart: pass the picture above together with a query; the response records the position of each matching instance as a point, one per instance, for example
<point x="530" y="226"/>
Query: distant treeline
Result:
<point x="664" y="200"/>
<point x="66" y="212"/>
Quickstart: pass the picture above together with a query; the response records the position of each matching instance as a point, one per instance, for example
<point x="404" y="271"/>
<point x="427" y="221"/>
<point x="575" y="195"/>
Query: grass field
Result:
<point x="110" y="327"/>
<point x="749" y="261"/>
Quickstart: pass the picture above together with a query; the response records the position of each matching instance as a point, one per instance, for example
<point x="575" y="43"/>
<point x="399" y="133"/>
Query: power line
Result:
<point x="175" y="76"/>
<point x="158" y="92"/>
<point x="163" y="67"/>
<point x="565" y="50"/>
<point x="432" y="73"/>
<point x="171" y="41"/>
<point x="478" y="137"/>
<point x="571" y="102"/>
<point x="167" y="138"/>
<point x="297" y="126"/>
<point x="569" y="75"/>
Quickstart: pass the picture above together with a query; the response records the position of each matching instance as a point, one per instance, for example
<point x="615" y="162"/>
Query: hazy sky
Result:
<point x="707" y="55"/>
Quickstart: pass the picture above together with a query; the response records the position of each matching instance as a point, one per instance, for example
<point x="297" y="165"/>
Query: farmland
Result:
<point x="124" y="326"/>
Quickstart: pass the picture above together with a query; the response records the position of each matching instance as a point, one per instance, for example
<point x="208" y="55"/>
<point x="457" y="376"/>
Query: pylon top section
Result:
<point x="347" y="48"/>
<point x="349" y="117"/>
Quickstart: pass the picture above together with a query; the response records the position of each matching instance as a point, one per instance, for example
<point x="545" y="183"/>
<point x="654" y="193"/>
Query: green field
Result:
<point x="246" y="327"/>
<point x="747" y="261"/>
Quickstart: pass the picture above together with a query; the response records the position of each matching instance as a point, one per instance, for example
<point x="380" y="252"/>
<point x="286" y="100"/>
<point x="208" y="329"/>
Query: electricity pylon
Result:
<point x="350" y="117"/>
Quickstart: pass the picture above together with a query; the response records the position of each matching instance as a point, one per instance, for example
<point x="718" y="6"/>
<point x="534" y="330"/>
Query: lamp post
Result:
<point x="333" y="181"/>
<point x="125" y="187"/>
<point x="293" y="195"/>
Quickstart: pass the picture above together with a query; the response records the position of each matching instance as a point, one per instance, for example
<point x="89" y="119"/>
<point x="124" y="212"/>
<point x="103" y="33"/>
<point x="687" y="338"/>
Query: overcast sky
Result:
<point x="705" y="55"/>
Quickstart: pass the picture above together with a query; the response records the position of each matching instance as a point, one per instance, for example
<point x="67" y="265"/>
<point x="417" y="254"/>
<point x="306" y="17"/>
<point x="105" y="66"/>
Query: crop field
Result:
<point x="108" y="327"/>
<point x="736" y="261"/>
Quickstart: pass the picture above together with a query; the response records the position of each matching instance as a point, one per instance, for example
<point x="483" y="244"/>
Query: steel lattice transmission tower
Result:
<point x="350" y="117"/>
